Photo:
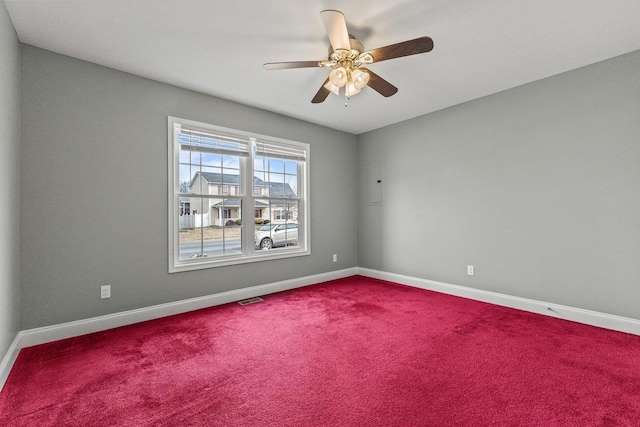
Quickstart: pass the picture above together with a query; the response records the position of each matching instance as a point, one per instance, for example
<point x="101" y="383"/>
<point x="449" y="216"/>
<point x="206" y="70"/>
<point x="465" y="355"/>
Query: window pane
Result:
<point x="209" y="176"/>
<point x="229" y="239"/>
<point x="284" y="210"/>
<point x="190" y="229"/>
<point x="195" y="158"/>
<point x="184" y="208"/>
<point x="259" y="184"/>
<point x="276" y="189"/>
<point x="209" y="159"/>
<point x="262" y="211"/>
<point x="290" y="186"/>
<point x="197" y="183"/>
<point x="276" y="165"/>
<point x="209" y="171"/>
<point x="211" y="229"/>
<point x="281" y="229"/>
<point x="274" y="180"/>
<point x="259" y="163"/>
<point x="283" y="185"/>
<point x="291" y="167"/>
<point x="184" y="155"/>
<point x="228" y="178"/>
<point x="184" y="184"/>
<point x="231" y="162"/>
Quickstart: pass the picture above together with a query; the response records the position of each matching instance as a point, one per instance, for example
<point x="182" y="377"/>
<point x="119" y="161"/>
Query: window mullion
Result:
<point x="247" y="200"/>
<point x="202" y="203"/>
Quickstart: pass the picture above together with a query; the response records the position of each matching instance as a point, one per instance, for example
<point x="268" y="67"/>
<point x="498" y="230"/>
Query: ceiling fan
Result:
<point x="347" y="58"/>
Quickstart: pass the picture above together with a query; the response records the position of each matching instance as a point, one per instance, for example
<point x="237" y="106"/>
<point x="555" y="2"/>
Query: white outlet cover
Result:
<point x="470" y="270"/>
<point x="105" y="291"/>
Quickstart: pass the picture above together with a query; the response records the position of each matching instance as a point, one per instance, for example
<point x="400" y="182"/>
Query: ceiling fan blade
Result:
<point x="336" y="27"/>
<point x="293" y="64"/>
<point x="322" y="93"/>
<point x="406" y="48"/>
<point x="379" y="84"/>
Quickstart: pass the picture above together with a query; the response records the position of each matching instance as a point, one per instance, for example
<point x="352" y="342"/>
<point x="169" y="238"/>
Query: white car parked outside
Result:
<point x="277" y="234"/>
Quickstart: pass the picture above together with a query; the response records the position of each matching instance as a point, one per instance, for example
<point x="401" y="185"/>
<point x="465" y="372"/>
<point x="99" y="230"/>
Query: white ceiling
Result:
<point x="218" y="47"/>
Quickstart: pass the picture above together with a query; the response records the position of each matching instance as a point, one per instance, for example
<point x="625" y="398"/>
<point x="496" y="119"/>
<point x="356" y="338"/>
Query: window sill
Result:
<point x="269" y="255"/>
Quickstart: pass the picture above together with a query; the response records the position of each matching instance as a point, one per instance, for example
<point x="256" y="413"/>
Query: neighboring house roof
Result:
<point x="280" y="189"/>
<point x="275" y="188"/>
<point x="234" y="203"/>
<point x="227" y="179"/>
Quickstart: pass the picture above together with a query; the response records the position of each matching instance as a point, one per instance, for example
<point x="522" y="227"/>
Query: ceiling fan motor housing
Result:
<point x="355" y="46"/>
<point x="348" y="58"/>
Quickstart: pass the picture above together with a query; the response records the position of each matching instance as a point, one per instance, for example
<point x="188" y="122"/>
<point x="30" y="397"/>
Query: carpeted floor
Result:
<point x="351" y="352"/>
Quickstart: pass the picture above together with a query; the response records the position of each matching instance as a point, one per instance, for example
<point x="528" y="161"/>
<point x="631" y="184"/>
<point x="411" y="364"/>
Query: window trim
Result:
<point x="249" y="254"/>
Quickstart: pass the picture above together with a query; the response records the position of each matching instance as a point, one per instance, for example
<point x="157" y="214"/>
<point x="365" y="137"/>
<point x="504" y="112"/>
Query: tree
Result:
<point x="184" y="187"/>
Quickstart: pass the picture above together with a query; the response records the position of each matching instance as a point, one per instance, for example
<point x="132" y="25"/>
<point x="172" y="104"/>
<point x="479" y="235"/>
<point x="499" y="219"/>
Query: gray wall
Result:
<point x="9" y="176"/>
<point x="94" y="191"/>
<point x="537" y="187"/>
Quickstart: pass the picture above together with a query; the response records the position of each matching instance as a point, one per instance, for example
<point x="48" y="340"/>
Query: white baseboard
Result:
<point x="47" y="334"/>
<point x="593" y="318"/>
<point x="8" y="360"/>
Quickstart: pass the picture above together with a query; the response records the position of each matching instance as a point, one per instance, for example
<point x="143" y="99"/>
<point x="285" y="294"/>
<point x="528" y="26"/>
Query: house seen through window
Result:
<point x="236" y="197"/>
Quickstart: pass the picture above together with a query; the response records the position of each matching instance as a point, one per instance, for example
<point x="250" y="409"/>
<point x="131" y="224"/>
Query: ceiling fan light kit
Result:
<point x="360" y="78"/>
<point x="332" y="88"/>
<point x="339" y="77"/>
<point x="347" y="58"/>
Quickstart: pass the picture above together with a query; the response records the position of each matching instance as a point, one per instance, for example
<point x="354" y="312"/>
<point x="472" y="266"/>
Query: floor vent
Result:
<point x="250" y="301"/>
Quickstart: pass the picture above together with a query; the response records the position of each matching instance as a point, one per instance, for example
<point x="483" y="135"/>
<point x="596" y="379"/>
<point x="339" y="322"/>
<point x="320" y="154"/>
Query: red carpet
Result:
<point x="352" y="352"/>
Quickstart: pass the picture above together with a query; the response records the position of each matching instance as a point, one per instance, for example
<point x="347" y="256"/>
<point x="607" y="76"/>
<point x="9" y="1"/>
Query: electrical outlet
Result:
<point x="335" y="257"/>
<point x="105" y="291"/>
<point x="471" y="271"/>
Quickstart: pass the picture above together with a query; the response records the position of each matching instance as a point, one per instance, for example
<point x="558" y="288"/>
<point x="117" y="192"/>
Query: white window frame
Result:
<point x="246" y="194"/>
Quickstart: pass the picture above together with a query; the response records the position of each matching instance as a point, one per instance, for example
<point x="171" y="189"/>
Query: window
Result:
<point x="280" y="215"/>
<point x="185" y="207"/>
<point x="220" y="177"/>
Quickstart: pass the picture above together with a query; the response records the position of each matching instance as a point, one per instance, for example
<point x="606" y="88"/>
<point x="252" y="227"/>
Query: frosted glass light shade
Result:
<point x="360" y="78"/>
<point x="332" y="88"/>
<point x="338" y="77"/>
<point x="351" y="89"/>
